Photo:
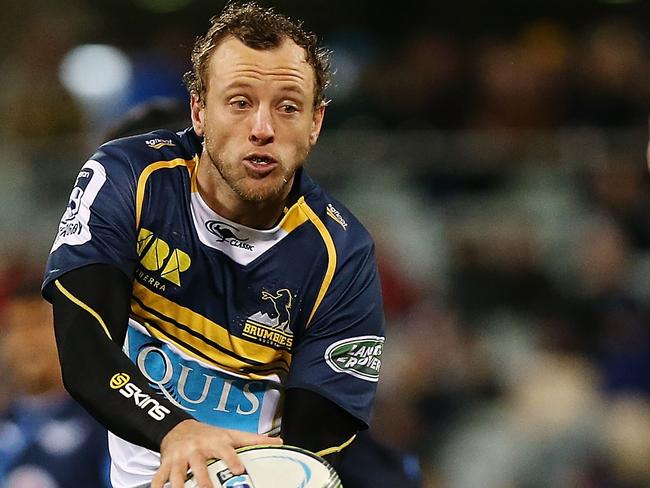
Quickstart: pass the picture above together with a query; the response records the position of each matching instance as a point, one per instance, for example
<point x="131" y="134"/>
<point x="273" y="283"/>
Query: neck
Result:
<point x="222" y="199"/>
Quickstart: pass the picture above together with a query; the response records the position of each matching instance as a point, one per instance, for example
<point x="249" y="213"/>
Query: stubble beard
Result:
<point x="249" y="194"/>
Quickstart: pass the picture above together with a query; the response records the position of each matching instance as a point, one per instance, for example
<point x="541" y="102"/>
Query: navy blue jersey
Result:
<point x="224" y="317"/>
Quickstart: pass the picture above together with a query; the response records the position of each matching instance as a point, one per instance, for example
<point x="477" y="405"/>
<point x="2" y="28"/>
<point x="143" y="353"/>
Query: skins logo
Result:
<point x="357" y="356"/>
<point x="227" y="233"/>
<point x="271" y="327"/>
<point x="121" y="382"/>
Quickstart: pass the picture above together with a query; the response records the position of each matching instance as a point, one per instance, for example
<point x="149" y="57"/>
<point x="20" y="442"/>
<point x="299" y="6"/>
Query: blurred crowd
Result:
<point x="535" y="75"/>
<point x="503" y="177"/>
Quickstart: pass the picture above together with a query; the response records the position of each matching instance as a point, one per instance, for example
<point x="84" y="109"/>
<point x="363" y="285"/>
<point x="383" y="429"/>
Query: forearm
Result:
<point x="316" y="424"/>
<point x="90" y="312"/>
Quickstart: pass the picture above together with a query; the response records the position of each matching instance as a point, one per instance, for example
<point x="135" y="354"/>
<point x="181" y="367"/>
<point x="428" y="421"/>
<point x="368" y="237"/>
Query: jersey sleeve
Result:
<point x="98" y="224"/>
<point x="338" y="355"/>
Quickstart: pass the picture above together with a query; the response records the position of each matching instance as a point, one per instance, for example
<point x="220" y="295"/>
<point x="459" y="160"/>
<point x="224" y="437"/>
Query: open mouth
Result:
<point x="261" y="160"/>
<point x="260" y="165"/>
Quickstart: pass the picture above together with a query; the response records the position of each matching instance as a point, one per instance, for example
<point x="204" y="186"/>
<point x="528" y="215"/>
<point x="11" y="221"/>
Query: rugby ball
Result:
<point x="273" y="467"/>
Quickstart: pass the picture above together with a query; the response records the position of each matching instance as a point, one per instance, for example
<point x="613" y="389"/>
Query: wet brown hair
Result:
<point x="258" y="28"/>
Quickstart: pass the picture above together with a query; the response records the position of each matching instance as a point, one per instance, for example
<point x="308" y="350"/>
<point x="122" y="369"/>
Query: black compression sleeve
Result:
<point x="314" y="423"/>
<point x="91" y="310"/>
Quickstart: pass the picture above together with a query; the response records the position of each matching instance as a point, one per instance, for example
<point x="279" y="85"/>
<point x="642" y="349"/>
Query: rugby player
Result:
<point x="207" y="293"/>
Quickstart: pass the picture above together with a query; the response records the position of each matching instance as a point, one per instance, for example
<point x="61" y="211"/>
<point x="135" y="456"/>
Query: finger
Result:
<point x="198" y="465"/>
<point x="229" y="456"/>
<point x="178" y="475"/>
<point x="161" y="476"/>
<point x="273" y="441"/>
<point x="241" y="439"/>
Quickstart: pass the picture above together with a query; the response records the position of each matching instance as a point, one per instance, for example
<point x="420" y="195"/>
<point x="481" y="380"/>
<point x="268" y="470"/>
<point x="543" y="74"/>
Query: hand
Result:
<point x="192" y="443"/>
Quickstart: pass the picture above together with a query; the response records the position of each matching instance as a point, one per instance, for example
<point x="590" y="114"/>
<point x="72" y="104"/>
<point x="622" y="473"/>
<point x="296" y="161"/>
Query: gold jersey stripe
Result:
<point x="210" y="352"/>
<point x="334" y="449"/>
<point x="194" y="174"/>
<point x="204" y="328"/>
<point x="147" y="172"/>
<point x="294" y="217"/>
<point x="229" y="364"/>
<point x="331" y="256"/>
<point x="259" y="373"/>
<point x="199" y="349"/>
<point x="82" y="305"/>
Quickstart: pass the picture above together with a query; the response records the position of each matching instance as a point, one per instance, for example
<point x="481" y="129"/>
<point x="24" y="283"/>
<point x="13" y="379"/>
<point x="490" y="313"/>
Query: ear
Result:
<point x="316" y="123"/>
<point x="197" y="110"/>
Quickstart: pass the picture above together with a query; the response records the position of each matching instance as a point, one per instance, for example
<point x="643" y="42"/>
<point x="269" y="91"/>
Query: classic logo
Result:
<point x="357" y="356"/>
<point x="158" y="143"/>
<point x="271" y="326"/>
<point x="336" y="216"/>
<point x="227" y="233"/>
<point x="156" y="255"/>
<point x="121" y="382"/>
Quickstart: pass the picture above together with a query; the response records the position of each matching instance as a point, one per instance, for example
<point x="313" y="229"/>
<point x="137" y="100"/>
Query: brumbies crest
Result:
<point x="270" y="325"/>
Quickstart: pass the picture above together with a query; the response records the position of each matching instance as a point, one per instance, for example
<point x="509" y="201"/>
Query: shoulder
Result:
<point x="137" y="154"/>
<point x="338" y="224"/>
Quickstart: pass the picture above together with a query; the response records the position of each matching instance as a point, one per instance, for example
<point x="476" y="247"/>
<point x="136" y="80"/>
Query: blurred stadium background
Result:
<point x="496" y="150"/>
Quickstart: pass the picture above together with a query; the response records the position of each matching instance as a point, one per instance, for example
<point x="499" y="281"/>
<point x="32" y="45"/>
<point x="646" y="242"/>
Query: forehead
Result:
<point x="234" y="62"/>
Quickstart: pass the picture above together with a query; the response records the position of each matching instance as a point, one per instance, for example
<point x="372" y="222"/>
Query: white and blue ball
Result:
<point x="274" y="467"/>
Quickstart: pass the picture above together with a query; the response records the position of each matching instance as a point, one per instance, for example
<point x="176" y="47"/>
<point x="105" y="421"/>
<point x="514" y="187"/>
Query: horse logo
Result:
<point x="272" y="325"/>
<point x="281" y="315"/>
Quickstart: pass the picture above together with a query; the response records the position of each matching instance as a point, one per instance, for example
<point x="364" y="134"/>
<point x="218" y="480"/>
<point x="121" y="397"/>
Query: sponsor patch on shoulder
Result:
<point x="336" y="216"/>
<point x="158" y="143"/>
<point x="74" y="227"/>
<point x="357" y="356"/>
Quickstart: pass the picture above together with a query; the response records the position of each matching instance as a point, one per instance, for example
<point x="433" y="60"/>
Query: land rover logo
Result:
<point x="357" y="356"/>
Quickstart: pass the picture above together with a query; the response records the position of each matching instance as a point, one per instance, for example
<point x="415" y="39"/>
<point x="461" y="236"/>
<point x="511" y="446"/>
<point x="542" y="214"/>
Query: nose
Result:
<point x="262" y="130"/>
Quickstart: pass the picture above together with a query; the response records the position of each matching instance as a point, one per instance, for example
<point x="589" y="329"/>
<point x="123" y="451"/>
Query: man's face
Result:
<point x="258" y="117"/>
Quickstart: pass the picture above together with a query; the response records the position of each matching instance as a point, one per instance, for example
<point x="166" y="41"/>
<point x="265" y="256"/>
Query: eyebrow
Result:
<point x="238" y="84"/>
<point x="291" y="88"/>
